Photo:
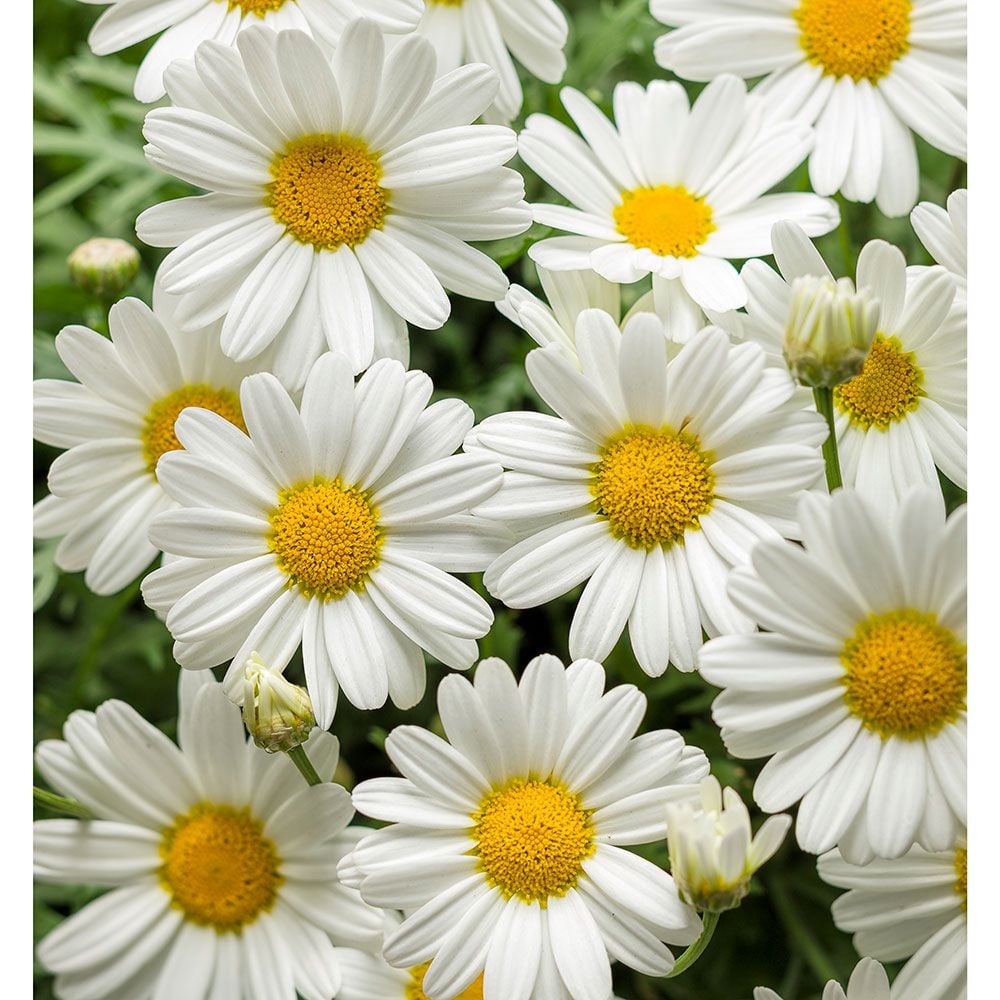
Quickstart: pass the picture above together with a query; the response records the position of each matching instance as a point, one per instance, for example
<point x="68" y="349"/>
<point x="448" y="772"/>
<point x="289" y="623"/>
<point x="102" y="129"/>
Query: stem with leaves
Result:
<point x="824" y="404"/>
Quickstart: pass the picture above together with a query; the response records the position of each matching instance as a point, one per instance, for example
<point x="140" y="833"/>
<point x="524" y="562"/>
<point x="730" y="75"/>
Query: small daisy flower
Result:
<point x="654" y="479"/>
<point x="333" y="527"/>
<point x="115" y="423"/>
<point x="534" y="32"/>
<point x="341" y="194"/>
<point x="945" y="234"/>
<point x="867" y="73"/>
<point x="506" y="843"/>
<point x="857" y="689"/>
<point x="671" y="190"/>
<point x="914" y="908"/>
<point x="713" y="851"/>
<point x="186" y="23"/>
<point x="220" y="860"/>
<point x="868" y="982"/>
<point x="905" y="413"/>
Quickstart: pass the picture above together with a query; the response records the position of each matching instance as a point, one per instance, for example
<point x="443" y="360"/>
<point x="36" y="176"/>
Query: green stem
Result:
<point x="301" y="760"/>
<point x="693" y="953"/>
<point x="846" y="244"/>
<point x="803" y="942"/>
<point x="824" y="404"/>
<point x="59" y="803"/>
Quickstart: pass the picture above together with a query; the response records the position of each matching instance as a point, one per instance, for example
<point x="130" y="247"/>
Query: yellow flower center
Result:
<point x="905" y="674"/>
<point x="652" y="486"/>
<point x="856" y="38"/>
<point x="532" y="838"/>
<point x="415" y="989"/>
<point x="668" y="220"/>
<point x="888" y="387"/>
<point x="326" y="190"/>
<point x="962" y="875"/>
<point x="258" y="7"/>
<point x="448" y="3"/>
<point x="326" y="537"/>
<point x="220" y="869"/>
<point x="158" y="436"/>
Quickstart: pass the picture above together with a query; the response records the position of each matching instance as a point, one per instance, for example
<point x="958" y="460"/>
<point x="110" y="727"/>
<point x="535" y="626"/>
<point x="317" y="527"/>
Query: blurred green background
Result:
<point x="91" y="179"/>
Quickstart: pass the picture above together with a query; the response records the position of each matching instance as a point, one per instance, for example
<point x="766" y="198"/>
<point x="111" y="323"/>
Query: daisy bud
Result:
<point x="103" y="267"/>
<point x="278" y="714"/>
<point x="713" y="853"/>
<point x="829" y="330"/>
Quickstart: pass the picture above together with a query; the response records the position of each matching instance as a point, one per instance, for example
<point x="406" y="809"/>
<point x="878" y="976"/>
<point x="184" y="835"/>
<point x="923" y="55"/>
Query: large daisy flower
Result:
<point x="221" y="861"/>
<point x="332" y="526"/>
<point x="913" y="907"/>
<point x="905" y="413"/>
<point x="115" y="424"/>
<point x="342" y="193"/>
<point x="491" y="31"/>
<point x="507" y="840"/>
<point x="868" y="982"/>
<point x="945" y="234"/>
<point x="865" y="72"/>
<point x="671" y="190"/>
<point x="189" y="22"/>
<point x="857" y="689"/>
<point x="654" y="479"/>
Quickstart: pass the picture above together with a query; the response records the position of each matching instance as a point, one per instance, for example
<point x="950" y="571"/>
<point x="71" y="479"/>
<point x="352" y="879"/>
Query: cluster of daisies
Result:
<point x="257" y="426"/>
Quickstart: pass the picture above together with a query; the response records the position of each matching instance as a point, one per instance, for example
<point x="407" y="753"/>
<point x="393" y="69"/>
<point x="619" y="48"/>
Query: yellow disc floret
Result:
<point x="218" y="867"/>
<point x="326" y="538"/>
<point x="888" y="387"/>
<point x="531" y="838"/>
<point x="962" y="875"/>
<point x="158" y="435"/>
<point x="856" y="38"/>
<point x="326" y="190"/>
<point x="652" y="486"/>
<point x="670" y="221"/>
<point x="905" y="674"/>
<point x="415" y="988"/>
<point x="258" y="7"/>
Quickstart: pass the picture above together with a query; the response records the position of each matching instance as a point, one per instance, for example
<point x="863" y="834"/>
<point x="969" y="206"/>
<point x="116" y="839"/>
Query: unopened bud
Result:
<point x="829" y="330"/>
<point x="278" y="714"/>
<point x="103" y="267"/>
<point x="713" y="853"/>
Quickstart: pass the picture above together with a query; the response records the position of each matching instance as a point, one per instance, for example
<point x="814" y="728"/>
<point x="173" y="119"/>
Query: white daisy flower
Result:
<point x="654" y="479"/>
<point x="221" y="860"/>
<point x="671" y="190"/>
<point x="945" y="234"/>
<point x="914" y="908"/>
<point x="186" y="23"/>
<point x="868" y="982"/>
<point x="865" y="72"/>
<point x="506" y="843"/>
<point x="906" y="412"/>
<point x="115" y="423"/>
<point x="333" y="526"/>
<point x="534" y="32"/>
<point x="341" y="194"/>
<point x="857" y="689"/>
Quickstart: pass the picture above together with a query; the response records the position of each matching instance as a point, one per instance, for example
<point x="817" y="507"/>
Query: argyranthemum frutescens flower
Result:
<point x="868" y="982"/>
<point x="671" y="190"/>
<point x="506" y="843"/>
<point x="342" y="193"/>
<point x="945" y="234"/>
<point x="865" y="72"/>
<point x="713" y="851"/>
<point x="189" y="22"/>
<point x="115" y="424"/>
<point x="491" y="31"/>
<point x="913" y="907"/>
<point x="333" y="526"/>
<point x="906" y="412"/>
<point x="221" y="860"/>
<point x="654" y="479"/>
<point x="858" y="686"/>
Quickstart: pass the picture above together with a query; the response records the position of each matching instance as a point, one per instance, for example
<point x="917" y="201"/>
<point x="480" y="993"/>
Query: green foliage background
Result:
<point x="92" y="180"/>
